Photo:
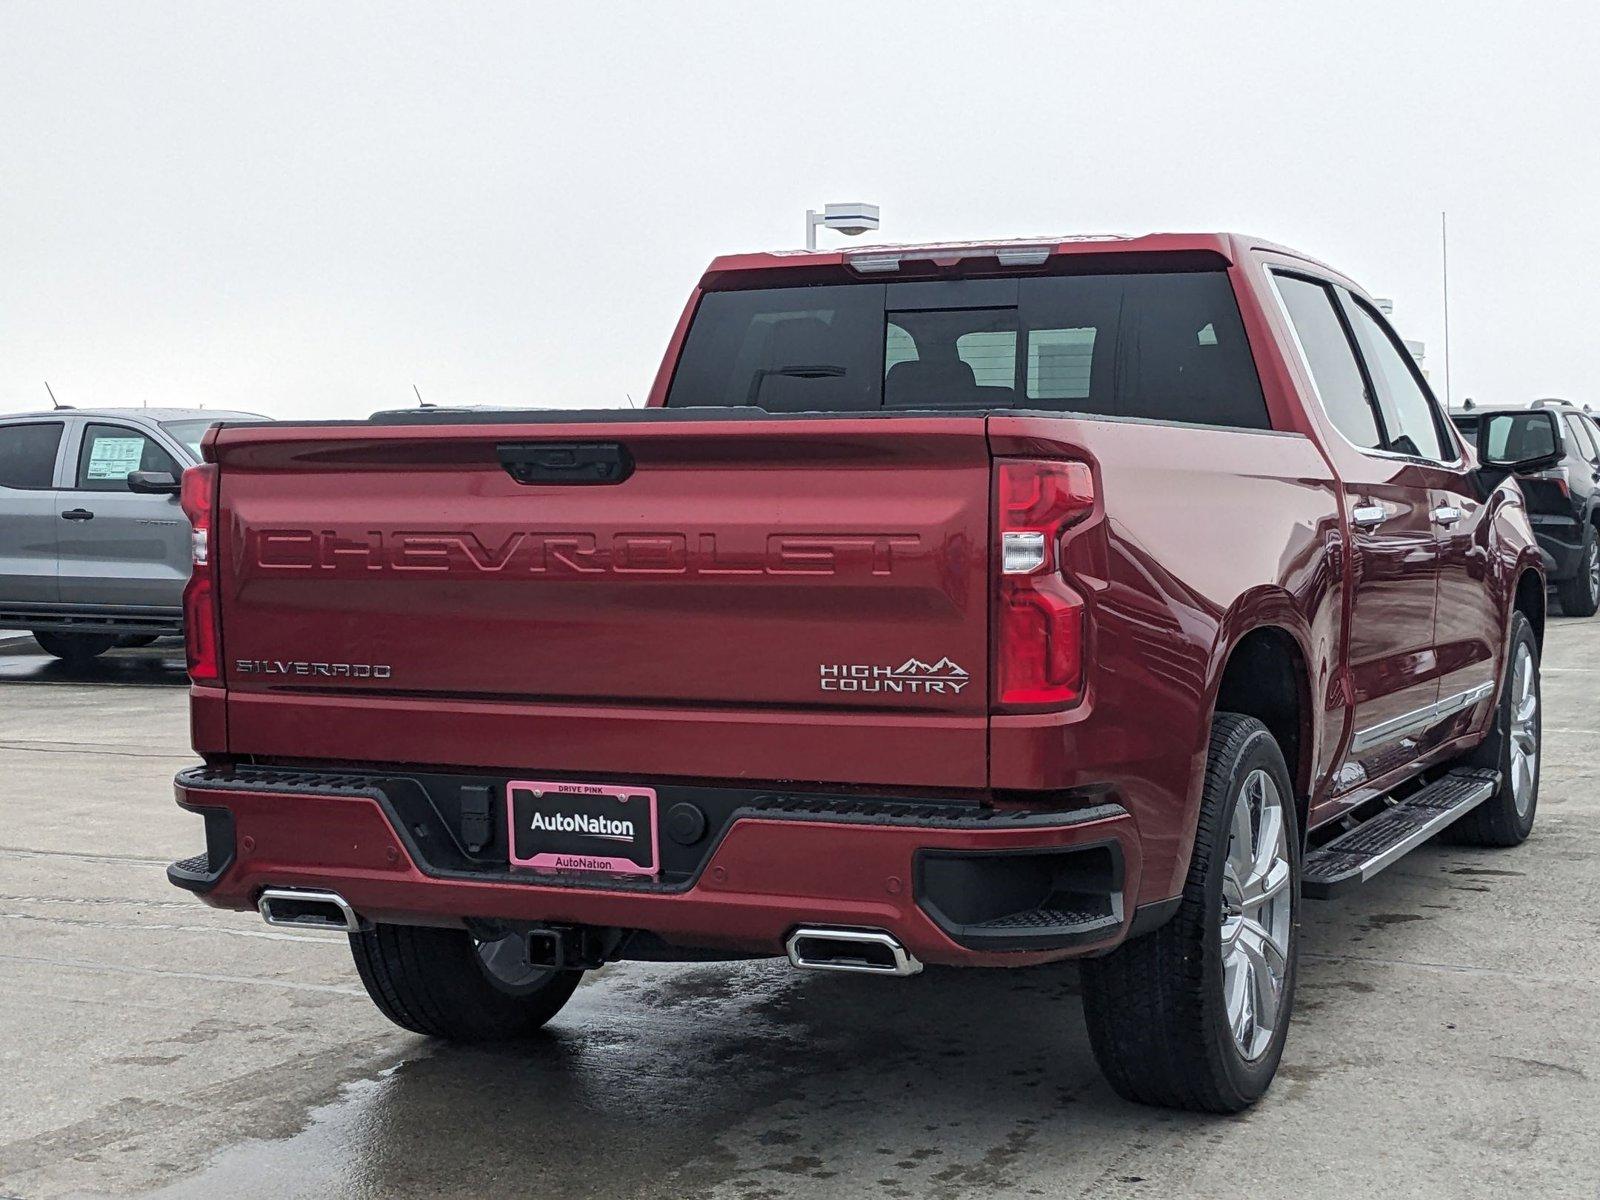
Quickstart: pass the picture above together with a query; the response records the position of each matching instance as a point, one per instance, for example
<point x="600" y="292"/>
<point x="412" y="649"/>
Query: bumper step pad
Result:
<point x="1381" y="841"/>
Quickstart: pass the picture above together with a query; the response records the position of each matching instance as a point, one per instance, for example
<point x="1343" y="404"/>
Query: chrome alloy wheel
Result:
<point x="1257" y="915"/>
<point x="1594" y="568"/>
<point x="1524" y="729"/>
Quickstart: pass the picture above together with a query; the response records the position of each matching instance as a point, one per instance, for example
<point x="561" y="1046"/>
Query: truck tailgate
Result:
<point x="782" y="598"/>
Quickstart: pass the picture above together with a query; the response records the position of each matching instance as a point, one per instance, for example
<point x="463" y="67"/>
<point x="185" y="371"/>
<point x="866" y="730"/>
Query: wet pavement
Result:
<point x="1447" y="1041"/>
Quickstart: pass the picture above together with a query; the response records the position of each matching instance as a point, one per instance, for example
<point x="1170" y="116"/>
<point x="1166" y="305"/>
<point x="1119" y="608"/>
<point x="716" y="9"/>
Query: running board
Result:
<point x="1383" y="840"/>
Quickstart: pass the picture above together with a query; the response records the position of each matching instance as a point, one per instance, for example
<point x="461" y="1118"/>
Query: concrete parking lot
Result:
<point x="1447" y="1041"/>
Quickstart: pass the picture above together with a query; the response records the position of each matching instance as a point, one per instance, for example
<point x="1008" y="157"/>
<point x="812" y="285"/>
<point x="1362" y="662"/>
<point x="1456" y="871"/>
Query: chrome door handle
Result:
<point x="1446" y="514"/>
<point x="1368" y="515"/>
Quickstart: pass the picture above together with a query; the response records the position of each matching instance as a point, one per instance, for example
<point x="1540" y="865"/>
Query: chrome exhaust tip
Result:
<point x="860" y="951"/>
<point x="302" y="909"/>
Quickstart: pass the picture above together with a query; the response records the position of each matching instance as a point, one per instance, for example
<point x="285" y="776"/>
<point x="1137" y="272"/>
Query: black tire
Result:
<point x="434" y="982"/>
<point x="136" y="641"/>
<point x="74" y="647"/>
<point x="1501" y="820"/>
<point x="1580" y="595"/>
<point x="1155" y="1007"/>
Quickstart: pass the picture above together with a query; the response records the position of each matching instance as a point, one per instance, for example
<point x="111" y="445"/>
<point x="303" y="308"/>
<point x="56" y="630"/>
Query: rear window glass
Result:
<point x="28" y="454"/>
<point x="1166" y="346"/>
<point x="785" y="350"/>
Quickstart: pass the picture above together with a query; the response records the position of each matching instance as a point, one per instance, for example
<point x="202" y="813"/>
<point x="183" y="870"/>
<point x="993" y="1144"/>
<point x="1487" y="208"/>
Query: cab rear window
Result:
<point x="1163" y="346"/>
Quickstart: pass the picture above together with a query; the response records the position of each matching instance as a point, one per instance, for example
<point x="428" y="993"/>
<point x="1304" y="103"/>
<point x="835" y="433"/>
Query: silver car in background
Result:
<point x="94" y="550"/>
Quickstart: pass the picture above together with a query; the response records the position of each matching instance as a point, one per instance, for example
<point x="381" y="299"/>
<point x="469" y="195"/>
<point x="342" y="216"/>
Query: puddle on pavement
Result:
<point x="643" y="1072"/>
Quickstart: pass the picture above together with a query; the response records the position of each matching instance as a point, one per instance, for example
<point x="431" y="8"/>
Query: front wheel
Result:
<point x="445" y="983"/>
<point x="1195" y="1014"/>
<point x="1512" y="748"/>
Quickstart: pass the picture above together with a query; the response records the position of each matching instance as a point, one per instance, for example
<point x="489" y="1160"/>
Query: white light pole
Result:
<point x="848" y="219"/>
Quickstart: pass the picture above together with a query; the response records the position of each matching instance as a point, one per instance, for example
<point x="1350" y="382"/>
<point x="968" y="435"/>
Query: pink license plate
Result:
<point x="583" y="827"/>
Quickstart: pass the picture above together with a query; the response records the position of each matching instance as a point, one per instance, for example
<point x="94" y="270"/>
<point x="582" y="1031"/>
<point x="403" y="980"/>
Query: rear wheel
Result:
<point x="1580" y="595"/>
<point x="1195" y="1014"/>
<point x="448" y="984"/>
<point x="1512" y="748"/>
<point x="74" y="647"/>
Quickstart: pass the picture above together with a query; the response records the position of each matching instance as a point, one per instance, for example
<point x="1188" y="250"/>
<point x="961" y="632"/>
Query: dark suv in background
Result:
<point x="1562" y="492"/>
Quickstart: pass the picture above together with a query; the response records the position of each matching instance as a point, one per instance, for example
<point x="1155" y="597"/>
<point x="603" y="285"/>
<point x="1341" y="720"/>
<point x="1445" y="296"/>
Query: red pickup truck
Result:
<point x="981" y="604"/>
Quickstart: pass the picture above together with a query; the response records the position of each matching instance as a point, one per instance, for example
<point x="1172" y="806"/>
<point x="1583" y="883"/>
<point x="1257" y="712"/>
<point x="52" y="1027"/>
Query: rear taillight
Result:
<point x="1557" y="476"/>
<point x="1039" y="618"/>
<point x="200" y="635"/>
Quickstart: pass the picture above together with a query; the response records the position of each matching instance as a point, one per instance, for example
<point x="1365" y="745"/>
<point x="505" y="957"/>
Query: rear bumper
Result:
<point x="94" y="618"/>
<point x="955" y="883"/>
<point x="1560" y="541"/>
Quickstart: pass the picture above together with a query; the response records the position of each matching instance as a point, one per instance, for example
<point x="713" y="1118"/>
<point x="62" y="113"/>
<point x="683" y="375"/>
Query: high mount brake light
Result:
<point x="1039" y="618"/>
<point x="883" y="261"/>
<point x="201" y="640"/>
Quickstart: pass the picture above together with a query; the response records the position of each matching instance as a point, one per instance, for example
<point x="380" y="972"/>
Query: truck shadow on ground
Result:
<point x="161" y="664"/>
<point x="750" y="1080"/>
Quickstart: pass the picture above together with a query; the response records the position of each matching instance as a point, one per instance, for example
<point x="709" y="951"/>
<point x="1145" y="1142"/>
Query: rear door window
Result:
<point x="1332" y="360"/>
<point x="110" y="453"/>
<point x="28" y="454"/>
<point x="1163" y="346"/>
<point x="1583" y="442"/>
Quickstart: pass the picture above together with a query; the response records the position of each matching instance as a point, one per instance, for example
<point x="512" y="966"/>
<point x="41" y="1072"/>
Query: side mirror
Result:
<point x="153" y="483"/>
<point x="1519" y="441"/>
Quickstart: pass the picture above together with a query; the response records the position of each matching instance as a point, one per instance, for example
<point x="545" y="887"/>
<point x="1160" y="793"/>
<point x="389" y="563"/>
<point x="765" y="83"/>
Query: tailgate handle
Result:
<point x="565" y="462"/>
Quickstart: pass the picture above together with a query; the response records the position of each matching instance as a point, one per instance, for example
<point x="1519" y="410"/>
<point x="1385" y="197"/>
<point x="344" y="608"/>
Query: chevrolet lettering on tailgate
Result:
<point x="574" y="553"/>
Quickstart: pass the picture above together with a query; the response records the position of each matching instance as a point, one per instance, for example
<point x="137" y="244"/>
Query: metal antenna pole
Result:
<point x="1444" y="252"/>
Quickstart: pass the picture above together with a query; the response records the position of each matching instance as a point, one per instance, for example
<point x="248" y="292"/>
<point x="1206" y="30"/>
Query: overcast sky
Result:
<point x="303" y="210"/>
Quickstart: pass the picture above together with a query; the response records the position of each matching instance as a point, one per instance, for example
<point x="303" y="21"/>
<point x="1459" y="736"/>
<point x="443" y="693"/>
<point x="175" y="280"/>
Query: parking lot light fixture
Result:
<point x="848" y="219"/>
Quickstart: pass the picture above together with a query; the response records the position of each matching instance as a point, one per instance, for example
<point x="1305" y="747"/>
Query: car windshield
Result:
<point x="190" y="432"/>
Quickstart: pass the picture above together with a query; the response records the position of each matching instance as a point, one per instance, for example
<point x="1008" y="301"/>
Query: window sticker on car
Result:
<point x="115" y="457"/>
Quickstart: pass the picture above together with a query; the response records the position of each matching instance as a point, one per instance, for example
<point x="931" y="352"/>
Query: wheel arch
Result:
<point x="1528" y="598"/>
<point x="1265" y="674"/>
